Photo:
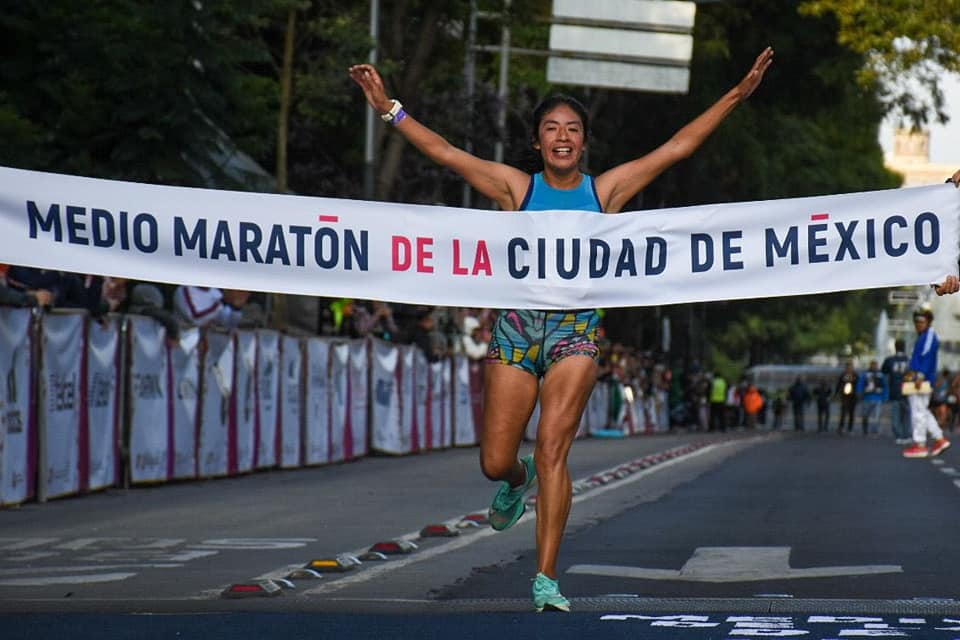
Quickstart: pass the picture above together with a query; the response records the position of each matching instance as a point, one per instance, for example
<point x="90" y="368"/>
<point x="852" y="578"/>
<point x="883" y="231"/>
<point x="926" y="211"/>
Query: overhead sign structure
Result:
<point x="642" y="45"/>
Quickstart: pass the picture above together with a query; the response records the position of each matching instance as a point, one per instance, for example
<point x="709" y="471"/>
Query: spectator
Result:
<point x="954" y="400"/>
<point x="424" y="333"/>
<point x="734" y="405"/>
<point x="847" y="392"/>
<point x="474" y="343"/>
<point x="822" y="393"/>
<point x="718" y="398"/>
<point x="752" y="404"/>
<point x="14" y="297"/>
<point x="799" y="398"/>
<point x="29" y="279"/>
<point x="893" y="368"/>
<point x="871" y="392"/>
<point x="375" y="319"/>
<point x="940" y="399"/>
<point x="209" y="306"/>
<point x="779" y="407"/>
<point x="146" y="299"/>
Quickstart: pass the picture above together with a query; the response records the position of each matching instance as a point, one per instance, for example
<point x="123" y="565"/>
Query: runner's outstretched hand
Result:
<point x="752" y="80"/>
<point x="369" y="79"/>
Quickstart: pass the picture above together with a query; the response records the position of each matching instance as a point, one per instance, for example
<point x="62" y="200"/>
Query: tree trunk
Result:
<point x="286" y="86"/>
<point x="413" y="78"/>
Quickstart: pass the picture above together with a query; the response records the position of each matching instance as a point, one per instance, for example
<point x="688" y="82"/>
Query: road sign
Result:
<point x="624" y="44"/>
<point x="903" y="296"/>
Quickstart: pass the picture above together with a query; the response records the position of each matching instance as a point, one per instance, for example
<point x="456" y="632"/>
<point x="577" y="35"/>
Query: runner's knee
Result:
<point x="496" y="465"/>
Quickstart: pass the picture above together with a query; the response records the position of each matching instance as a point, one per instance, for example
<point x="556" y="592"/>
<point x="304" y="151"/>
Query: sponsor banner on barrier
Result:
<point x="598" y="406"/>
<point x="422" y="399"/>
<point x="533" y="424"/>
<point x="465" y="428"/>
<point x="458" y="257"/>
<point x="341" y="442"/>
<point x="316" y="402"/>
<point x="387" y="433"/>
<point x="359" y="405"/>
<point x="291" y="414"/>
<point x="441" y="404"/>
<point x="215" y="397"/>
<point x="268" y="402"/>
<point x="18" y="444"/>
<point x="184" y="376"/>
<point x="103" y="346"/>
<point x="408" y="390"/>
<point x="244" y="403"/>
<point x="151" y="439"/>
<point x="61" y="373"/>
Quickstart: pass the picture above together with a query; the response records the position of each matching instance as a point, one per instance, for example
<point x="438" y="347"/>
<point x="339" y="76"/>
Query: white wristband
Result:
<point x="394" y="110"/>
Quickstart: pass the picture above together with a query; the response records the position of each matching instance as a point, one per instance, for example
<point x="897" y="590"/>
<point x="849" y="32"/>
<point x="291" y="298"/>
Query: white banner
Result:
<point x="18" y="429"/>
<point x="316" y="403"/>
<point x="290" y="399"/>
<point x="244" y="404"/>
<point x="215" y="399"/>
<point x="268" y="404"/>
<point x="340" y="403"/>
<point x="184" y="399"/>
<point x="61" y="365"/>
<point x="103" y="423"/>
<point x="387" y="434"/>
<point x="150" y="435"/>
<point x="456" y="257"/>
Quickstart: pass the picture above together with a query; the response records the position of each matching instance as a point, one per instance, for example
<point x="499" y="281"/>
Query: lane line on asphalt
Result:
<point x="367" y="574"/>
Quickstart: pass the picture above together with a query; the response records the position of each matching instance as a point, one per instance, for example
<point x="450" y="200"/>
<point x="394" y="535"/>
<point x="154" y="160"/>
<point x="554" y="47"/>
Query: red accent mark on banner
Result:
<point x="820" y="216"/>
<point x="329" y="218"/>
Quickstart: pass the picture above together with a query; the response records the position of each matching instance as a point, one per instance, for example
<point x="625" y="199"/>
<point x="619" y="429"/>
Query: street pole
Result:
<point x="369" y="155"/>
<point x="470" y="79"/>
<point x="502" y="93"/>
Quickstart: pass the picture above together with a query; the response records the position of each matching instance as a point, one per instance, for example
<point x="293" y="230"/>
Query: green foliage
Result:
<point x="906" y="43"/>
<point x="120" y="89"/>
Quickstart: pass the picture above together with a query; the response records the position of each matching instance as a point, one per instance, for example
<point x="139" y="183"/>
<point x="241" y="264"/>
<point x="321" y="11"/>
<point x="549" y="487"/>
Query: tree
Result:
<point x="127" y="90"/>
<point x="907" y="44"/>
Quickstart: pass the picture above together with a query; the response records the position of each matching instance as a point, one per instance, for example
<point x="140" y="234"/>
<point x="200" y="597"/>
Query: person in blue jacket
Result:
<point x="872" y="392"/>
<point x="557" y="347"/>
<point x="923" y="373"/>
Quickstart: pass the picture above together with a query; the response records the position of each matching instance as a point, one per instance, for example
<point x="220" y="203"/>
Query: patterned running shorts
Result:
<point x="535" y="340"/>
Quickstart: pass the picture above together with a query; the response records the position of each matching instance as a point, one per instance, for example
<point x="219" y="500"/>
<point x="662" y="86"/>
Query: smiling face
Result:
<point x="560" y="139"/>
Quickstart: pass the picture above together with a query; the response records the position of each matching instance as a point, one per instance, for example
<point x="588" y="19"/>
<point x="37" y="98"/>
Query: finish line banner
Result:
<point x="462" y="257"/>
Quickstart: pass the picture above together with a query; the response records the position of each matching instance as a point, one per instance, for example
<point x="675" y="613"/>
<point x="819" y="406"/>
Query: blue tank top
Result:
<point x="542" y="197"/>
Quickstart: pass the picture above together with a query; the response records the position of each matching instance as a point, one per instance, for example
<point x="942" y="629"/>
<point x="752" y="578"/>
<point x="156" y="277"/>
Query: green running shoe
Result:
<point x="547" y="596"/>
<point x="508" y="504"/>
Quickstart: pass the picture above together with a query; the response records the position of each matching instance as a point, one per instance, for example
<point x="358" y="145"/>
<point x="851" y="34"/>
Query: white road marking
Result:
<point x="733" y="564"/>
<point x="19" y="544"/>
<point x="370" y="573"/>
<point x="80" y="567"/>
<point x="85" y="579"/>
<point x="258" y="544"/>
